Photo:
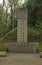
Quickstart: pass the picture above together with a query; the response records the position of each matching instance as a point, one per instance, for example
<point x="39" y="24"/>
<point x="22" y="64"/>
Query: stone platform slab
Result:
<point x="22" y="47"/>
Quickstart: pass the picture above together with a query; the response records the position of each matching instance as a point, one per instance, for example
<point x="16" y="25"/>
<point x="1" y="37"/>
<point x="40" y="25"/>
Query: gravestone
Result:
<point x="22" y="15"/>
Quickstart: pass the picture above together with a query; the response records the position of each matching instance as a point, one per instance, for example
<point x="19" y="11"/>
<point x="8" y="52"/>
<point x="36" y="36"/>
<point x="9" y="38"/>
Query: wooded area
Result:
<point x="8" y="19"/>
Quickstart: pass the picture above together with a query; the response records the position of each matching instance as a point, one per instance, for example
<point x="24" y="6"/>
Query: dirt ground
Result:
<point x="21" y="59"/>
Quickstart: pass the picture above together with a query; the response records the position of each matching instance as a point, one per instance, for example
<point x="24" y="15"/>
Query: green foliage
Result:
<point x="34" y="11"/>
<point x="3" y="29"/>
<point x="3" y="48"/>
<point x="1" y="12"/>
<point x="39" y="48"/>
<point x="10" y="36"/>
<point x="33" y="35"/>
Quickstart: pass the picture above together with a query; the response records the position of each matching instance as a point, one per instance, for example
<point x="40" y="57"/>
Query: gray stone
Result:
<point x="40" y="54"/>
<point x="22" y="25"/>
<point x="22" y="47"/>
<point x="2" y="53"/>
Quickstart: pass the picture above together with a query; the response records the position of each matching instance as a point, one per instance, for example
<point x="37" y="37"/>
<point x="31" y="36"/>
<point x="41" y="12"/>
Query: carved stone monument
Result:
<point x="22" y="45"/>
<point x="22" y="25"/>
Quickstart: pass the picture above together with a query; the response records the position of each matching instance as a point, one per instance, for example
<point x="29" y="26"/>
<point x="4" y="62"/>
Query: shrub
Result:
<point x="3" y="48"/>
<point x="39" y="48"/>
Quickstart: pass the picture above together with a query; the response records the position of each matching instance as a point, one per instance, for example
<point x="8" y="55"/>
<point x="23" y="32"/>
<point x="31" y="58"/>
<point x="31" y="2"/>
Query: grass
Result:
<point x="3" y="48"/>
<point x="10" y="36"/>
<point x="32" y="36"/>
<point x="39" y="48"/>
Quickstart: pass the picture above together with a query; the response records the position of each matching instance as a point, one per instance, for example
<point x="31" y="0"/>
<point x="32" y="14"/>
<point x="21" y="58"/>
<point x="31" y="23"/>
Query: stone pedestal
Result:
<point x="22" y="25"/>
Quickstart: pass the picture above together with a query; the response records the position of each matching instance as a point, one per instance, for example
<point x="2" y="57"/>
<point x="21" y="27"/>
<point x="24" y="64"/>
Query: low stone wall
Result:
<point x="22" y="47"/>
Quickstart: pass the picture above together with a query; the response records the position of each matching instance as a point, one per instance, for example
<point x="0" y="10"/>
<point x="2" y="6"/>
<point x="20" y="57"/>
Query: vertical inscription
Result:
<point x="22" y="26"/>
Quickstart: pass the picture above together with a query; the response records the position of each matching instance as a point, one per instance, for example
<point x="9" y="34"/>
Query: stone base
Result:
<point x="2" y="53"/>
<point x="40" y="54"/>
<point x="22" y="47"/>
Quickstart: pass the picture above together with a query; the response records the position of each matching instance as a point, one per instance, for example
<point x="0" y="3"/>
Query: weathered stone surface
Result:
<point x="22" y="47"/>
<point x="40" y="54"/>
<point x="2" y="53"/>
<point x="22" y="25"/>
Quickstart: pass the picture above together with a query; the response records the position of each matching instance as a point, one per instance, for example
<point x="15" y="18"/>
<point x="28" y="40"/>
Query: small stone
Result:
<point x="40" y="54"/>
<point x="2" y="53"/>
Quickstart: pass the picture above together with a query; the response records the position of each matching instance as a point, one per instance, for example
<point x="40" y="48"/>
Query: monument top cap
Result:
<point x="22" y="13"/>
